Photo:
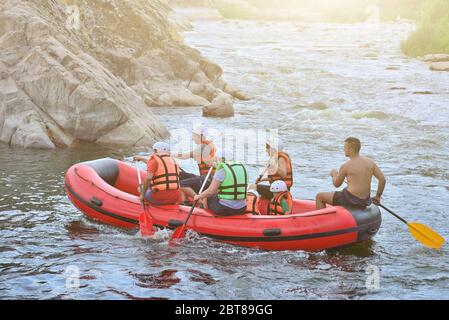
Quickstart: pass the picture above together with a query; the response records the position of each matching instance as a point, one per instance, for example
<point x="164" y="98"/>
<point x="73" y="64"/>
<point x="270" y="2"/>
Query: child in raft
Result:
<point x="280" y="204"/>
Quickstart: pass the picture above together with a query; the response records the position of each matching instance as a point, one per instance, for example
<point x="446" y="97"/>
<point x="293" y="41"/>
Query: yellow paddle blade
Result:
<point x="425" y="235"/>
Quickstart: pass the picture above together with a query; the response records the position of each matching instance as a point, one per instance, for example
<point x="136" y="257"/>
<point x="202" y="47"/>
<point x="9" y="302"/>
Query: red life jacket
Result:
<point x="275" y="204"/>
<point x="252" y="203"/>
<point x="288" y="179"/>
<point x="204" y="163"/>
<point x="166" y="176"/>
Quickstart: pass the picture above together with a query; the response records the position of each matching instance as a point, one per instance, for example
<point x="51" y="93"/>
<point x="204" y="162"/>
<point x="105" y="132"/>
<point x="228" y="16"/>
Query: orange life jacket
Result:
<point x="289" y="177"/>
<point x="166" y="176"/>
<point x="275" y="204"/>
<point x="252" y="203"/>
<point x="204" y="163"/>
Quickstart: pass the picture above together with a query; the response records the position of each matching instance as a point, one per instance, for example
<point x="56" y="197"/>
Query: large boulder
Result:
<point x="439" y="66"/>
<point x="94" y="81"/>
<point x="236" y="93"/>
<point x="222" y="106"/>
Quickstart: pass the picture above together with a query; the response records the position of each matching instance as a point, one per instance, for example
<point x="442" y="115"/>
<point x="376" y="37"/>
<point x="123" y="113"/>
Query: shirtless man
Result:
<point x="358" y="172"/>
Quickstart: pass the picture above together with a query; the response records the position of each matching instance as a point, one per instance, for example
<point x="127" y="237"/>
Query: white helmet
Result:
<point x="278" y="186"/>
<point x="200" y="130"/>
<point x="161" y="147"/>
<point x="254" y="192"/>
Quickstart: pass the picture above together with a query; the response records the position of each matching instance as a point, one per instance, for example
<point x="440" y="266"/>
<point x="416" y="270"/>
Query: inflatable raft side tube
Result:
<point x="368" y="219"/>
<point x="107" y="169"/>
<point x="98" y="209"/>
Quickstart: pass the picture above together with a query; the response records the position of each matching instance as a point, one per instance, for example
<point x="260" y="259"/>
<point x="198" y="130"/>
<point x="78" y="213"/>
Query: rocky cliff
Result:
<point x="67" y="78"/>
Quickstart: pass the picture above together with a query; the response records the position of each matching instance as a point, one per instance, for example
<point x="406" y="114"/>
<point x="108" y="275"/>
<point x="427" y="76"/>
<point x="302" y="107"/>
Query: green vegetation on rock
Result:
<point x="432" y="33"/>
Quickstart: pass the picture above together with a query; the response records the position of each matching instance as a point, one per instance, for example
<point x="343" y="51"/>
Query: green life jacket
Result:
<point x="234" y="185"/>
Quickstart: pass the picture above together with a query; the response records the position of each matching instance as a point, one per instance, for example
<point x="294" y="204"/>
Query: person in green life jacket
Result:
<point x="226" y="195"/>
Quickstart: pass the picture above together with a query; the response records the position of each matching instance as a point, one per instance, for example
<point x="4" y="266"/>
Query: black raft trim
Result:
<point x="96" y="202"/>
<point x="174" y="223"/>
<point x="99" y="210"/>
<point x="272" y="232"/>
<point x="288" y="238"/>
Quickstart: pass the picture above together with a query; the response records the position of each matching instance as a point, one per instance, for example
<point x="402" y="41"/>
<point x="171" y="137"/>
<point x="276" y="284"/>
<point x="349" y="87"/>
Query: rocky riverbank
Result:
<point x="438" y="62"/>
<point x="67" y="78"/>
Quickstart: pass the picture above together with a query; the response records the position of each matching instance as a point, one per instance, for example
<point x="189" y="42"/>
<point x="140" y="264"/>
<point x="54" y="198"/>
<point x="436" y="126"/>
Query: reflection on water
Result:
<point x="328" y="81"/>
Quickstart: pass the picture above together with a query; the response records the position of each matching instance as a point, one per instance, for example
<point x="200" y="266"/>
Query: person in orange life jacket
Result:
<point x="282" y="202"/>
<point x="226" y="195"/>
<point x="191" y="187"/>
<point x="161" y="185"/>
<point x="204" y="153"/>
<point x="280" y="168"/>
<point x="252" y="202"/>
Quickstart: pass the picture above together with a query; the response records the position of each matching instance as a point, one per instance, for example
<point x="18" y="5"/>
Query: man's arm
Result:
<point x="382" y="182"/>
<point x="270" y="170"/>
<point x="209" y="192"/>
<point x="146" y="185"/>
<point x="182" y="156"/>
<point x="276" y="167"/>
<point x="338" y="177"/>
<point x="140" y="158"/>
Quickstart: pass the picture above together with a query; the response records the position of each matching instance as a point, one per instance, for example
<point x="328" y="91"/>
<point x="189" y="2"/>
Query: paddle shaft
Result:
<point x="140" y="184"/>
<point x="196" y="201"/>
<point x="263" y="173"/>
<point x="394" y="214"/>
<point x="385" y="208"/>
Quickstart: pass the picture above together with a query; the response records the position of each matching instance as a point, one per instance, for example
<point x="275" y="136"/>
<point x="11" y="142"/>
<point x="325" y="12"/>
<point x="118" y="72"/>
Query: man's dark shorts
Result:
<point x="214" y="205"/>
<point x="264" y="190"/>
<point x="345" y="198"/>
<point x="183" y="175"/>
<point x="194" y="182"/>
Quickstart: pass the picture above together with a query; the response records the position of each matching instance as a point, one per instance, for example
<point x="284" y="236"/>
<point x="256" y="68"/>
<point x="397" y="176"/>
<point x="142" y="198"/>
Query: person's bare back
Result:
<point x="359" y="172"/>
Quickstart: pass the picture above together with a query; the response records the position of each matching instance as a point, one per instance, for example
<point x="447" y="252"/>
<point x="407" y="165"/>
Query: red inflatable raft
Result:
<point x="106" y="190"/>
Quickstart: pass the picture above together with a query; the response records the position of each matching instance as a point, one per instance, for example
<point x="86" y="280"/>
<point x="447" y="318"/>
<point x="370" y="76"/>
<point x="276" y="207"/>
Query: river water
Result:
<point x="365" y="87"/>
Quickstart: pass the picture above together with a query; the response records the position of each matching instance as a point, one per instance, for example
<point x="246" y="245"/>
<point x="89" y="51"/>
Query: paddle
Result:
<point x="145" y="223"/>
<point x="420" y="232"/>
<point x="262" y="174"/>
<point x="179" y="233"/>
